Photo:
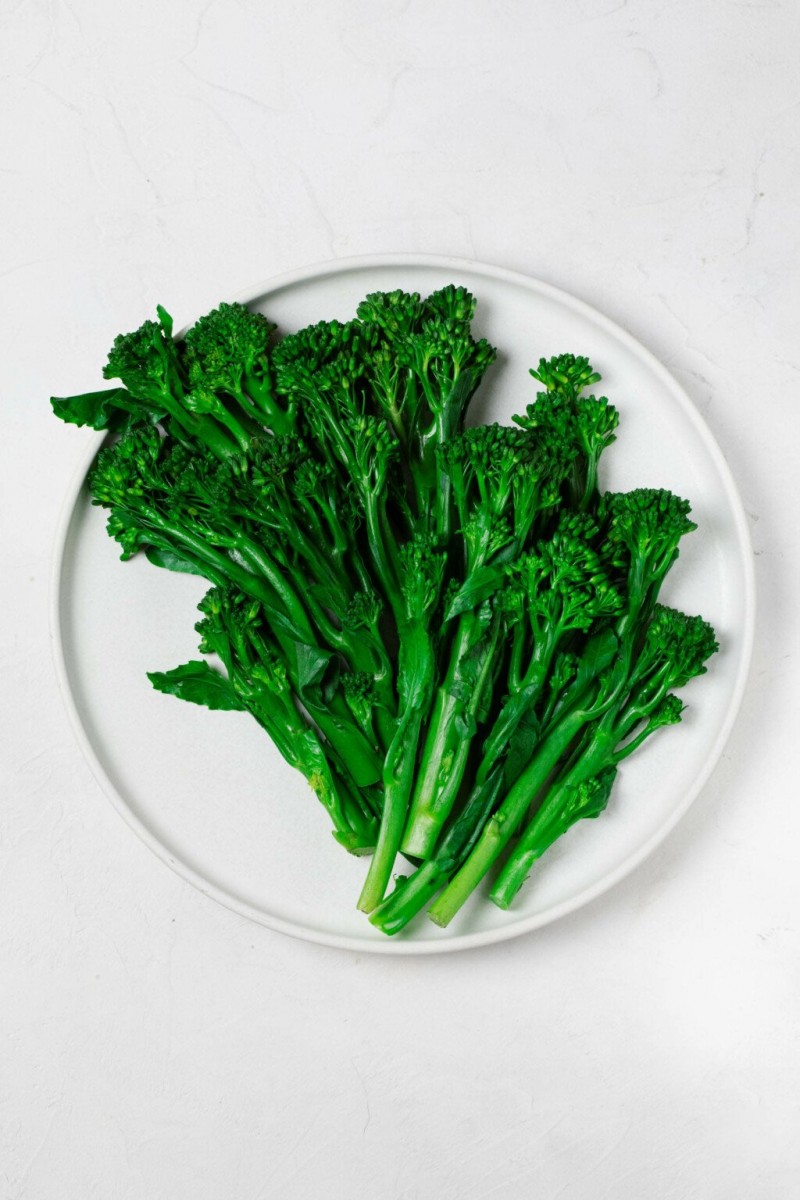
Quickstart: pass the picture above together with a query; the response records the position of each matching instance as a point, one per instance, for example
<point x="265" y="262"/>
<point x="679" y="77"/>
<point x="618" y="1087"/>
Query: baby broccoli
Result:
<point x="452" y="631"/>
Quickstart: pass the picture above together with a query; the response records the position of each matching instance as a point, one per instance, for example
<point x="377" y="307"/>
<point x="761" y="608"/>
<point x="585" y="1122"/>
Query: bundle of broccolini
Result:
<point x="450" y="630"/>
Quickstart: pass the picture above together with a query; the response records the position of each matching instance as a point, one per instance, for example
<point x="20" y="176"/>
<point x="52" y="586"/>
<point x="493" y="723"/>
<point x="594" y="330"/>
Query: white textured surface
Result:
<point x="643" y="156"/>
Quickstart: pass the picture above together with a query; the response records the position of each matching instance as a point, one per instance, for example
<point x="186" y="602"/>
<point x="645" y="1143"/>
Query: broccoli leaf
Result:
<point x="161" y="557"/>
<point x="198" y="683"/>
<point x="480" y="586"/>
<point x="109" y="409"/>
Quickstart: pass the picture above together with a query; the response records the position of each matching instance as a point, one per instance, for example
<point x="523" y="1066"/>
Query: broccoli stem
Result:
<point x="398" y="779"/>
<point x="503" y="824"/>
<point x="260" y="561"/>
<point x="384" y="560"/>
<point x="260" y="392"/>
<point x="242" y="434"/>
<point x="447" y="748"/>
<point x="353" y="827"/>
<point x="546" y="826"/>
<point x="220" y="565"/>
<point x="414" y="891"/>
<point x="432" y="486"/>
<point x="427" y="813"/>
<point x="524" y="694"/>
<point x="411" y="895"/>
<point x="450" y="734"/>
<point x="332" y="717"/>
<point x="208" y="429"/>
<point x="607" y="743"/>
<point x="416" y="675"/>
<point x="633" y="689"/>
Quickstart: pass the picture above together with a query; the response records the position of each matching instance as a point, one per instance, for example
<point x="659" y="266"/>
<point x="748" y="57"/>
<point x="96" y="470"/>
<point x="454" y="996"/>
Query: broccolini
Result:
<point x="450" y="630"/>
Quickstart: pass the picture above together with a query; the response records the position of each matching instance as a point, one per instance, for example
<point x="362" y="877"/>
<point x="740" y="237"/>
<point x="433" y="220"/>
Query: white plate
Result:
<point x="207" y="792"/>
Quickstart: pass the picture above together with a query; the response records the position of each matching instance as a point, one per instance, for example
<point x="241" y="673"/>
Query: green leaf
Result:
<point x="588" y="799"/>
<point x="603" y="650"/>
<point x="331" y="679"/>
<point x="460" y="392"/>
<point x="466" y="726"/>
<point x="312" y="664"/>
<point x="164" y="320"/>
<point x="479" y="587"/>
<point x="109" y="409"/>
<point x="521" y="747"/>
<point x="198" y="683"/>
<point x="171" y="561"/>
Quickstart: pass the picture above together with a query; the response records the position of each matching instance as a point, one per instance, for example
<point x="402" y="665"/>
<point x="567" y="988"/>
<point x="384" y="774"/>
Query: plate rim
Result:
<point x="523" y="925"/>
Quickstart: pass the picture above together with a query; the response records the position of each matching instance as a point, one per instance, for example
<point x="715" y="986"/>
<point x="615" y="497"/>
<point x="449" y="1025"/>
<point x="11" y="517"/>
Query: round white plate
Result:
<point x="207" y="792"/>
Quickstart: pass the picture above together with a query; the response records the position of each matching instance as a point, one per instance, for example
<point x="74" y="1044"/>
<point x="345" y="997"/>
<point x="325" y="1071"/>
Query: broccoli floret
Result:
<point x="396" y="314"/>
<point x="451" y="303"/>
<point x="364" y="611"/>
<point x="362" y="699"/>
<point x="586" y="424"/>
<point x="643" y="531"/>
<point x="565" y="375"/>
<point x="439" y="354"/>
<point x="676" y="646"/>
<point x="146" y="361"/>
<point x="226" y="356"/>
<point x="482" y="462"/>
<point x="375" y="451"/>
<point x="149" y="364"/>
<point x="648" y="523"/>
<point x="229" y="347"/>
<point x="565" y="586"/>
<point x="422" y="572"/>
<point x="320" y="360"/>
<point x="125" y="468"/>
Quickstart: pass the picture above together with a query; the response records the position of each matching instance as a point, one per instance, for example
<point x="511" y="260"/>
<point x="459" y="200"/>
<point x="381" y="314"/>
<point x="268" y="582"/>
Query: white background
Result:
<point x="155" y="1046"/>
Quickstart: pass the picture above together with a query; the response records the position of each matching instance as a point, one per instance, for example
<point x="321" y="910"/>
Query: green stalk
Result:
<point x="398" y="778"/>
<point x="502" y="826"/>
<point x="205" y="555"/>
<point x="333" y="717"/>
<point x="261" y="393"/>
<point x="449" y="740"/>
<point x="203" y="426"/>
<point x="547" y="825"/>
<point x="415" y="687"/>
<point x="522" y="700"/>
<point x="607" y="746"/>
<point x="385" y="567"/>
<point x="299" y="745"/>
<point x="261" y="562"/>
<point x="519" y="703"/>
<point x="414" y="891"/>
<point x="242" y="436"/>
<point x="424" y="819"/>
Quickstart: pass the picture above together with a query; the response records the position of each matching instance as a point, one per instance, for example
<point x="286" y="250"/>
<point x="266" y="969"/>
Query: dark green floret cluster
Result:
<point x="450" y="630"/>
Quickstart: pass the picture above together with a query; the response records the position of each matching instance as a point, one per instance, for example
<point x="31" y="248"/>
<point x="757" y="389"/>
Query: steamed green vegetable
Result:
<point x="450" y="630"/>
